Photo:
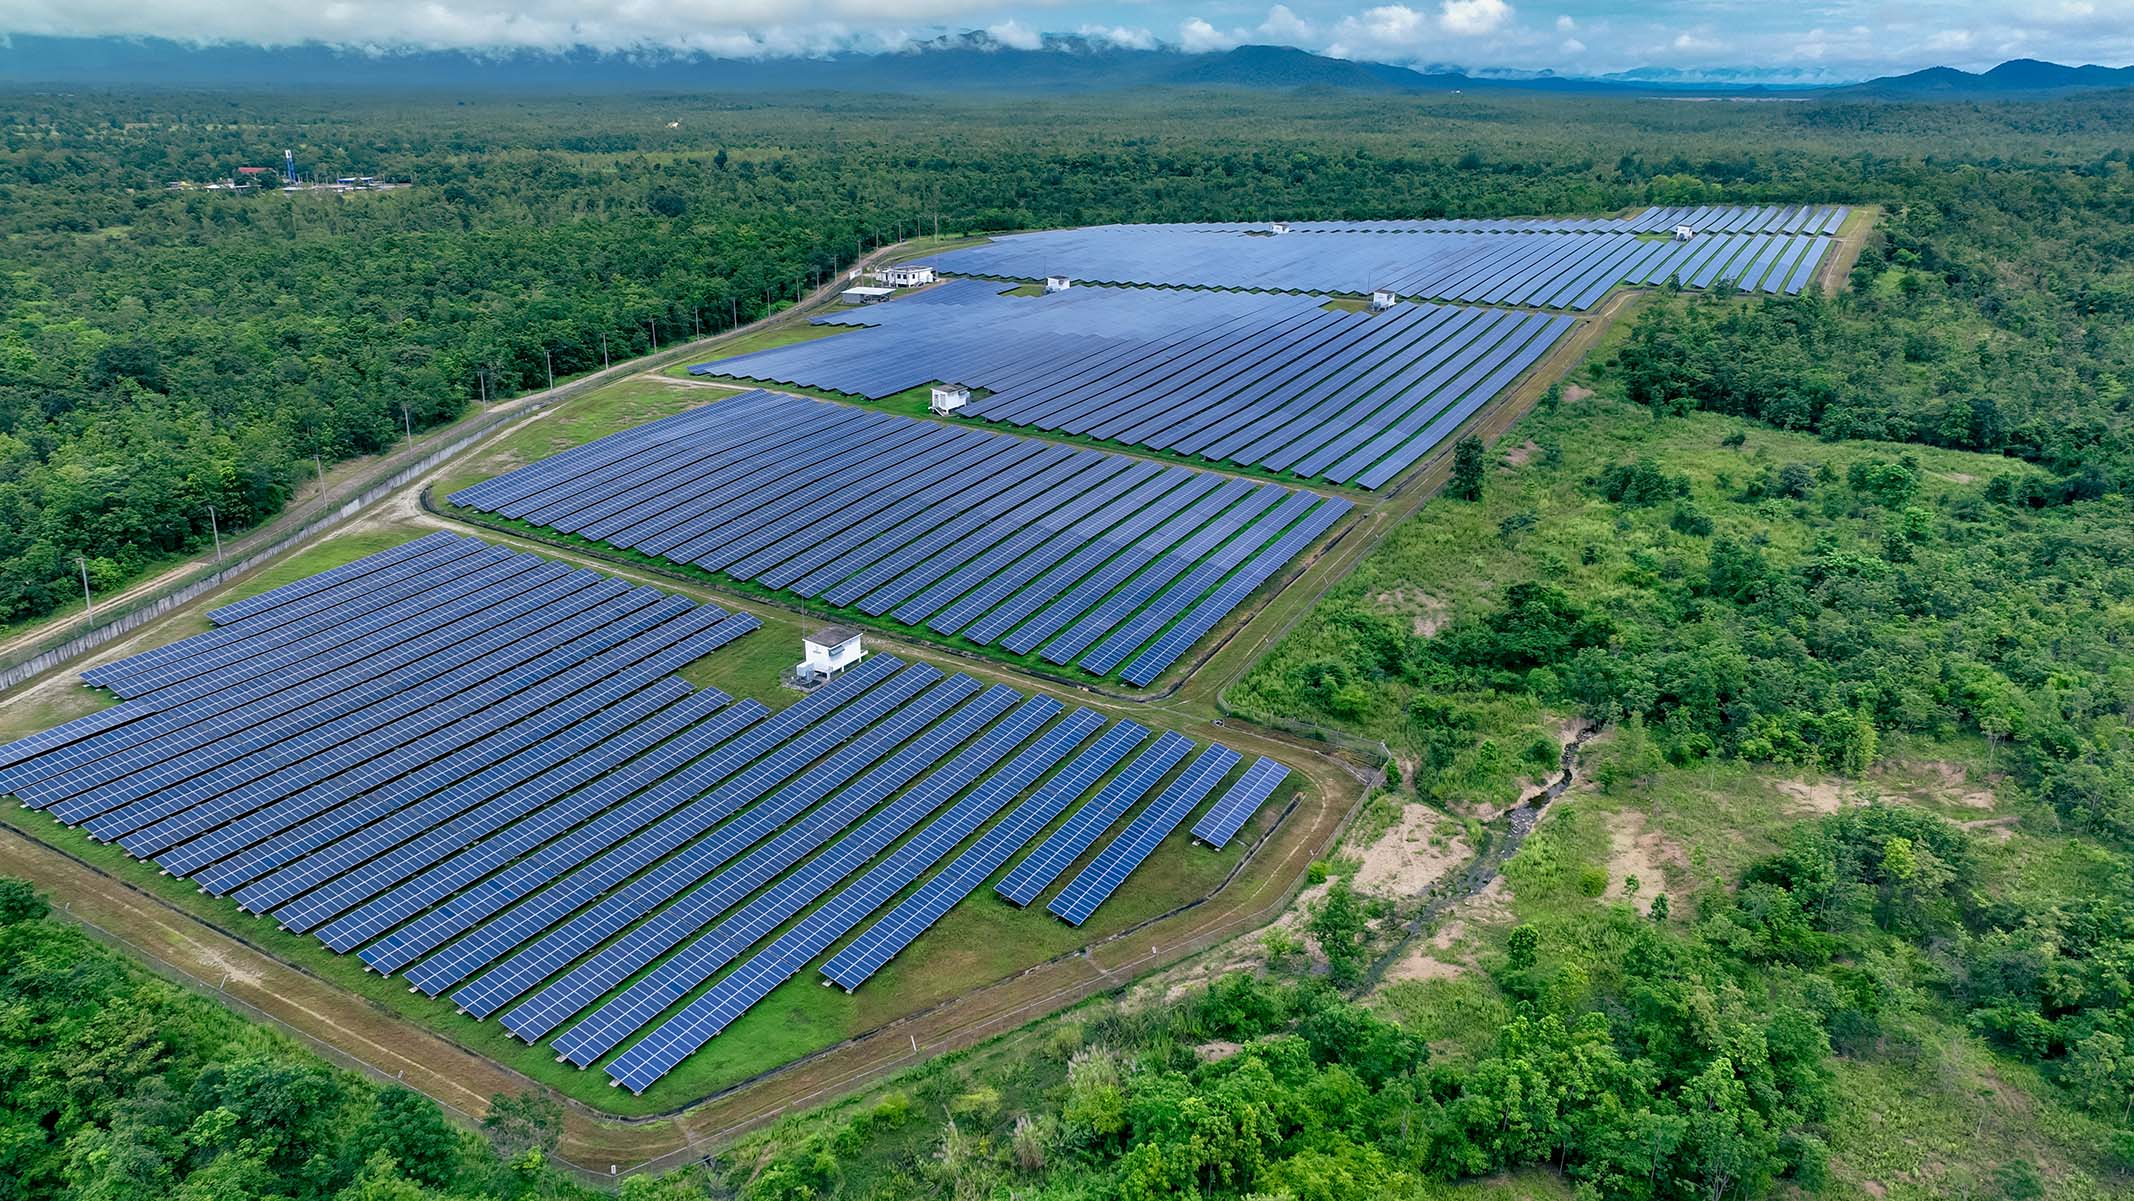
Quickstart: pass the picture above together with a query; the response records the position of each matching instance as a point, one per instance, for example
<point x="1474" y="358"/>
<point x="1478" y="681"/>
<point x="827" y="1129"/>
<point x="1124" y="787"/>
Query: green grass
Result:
<point x="784" y="334"/>
<point x="574" y="422"/>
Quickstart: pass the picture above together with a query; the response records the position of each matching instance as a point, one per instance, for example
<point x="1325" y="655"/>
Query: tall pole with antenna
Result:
<point x="214" y="527"/>
<point x="88" y="601"/>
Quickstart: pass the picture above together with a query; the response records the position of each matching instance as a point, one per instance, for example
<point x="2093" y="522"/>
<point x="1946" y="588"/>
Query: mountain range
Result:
<point x="971" y="62"/>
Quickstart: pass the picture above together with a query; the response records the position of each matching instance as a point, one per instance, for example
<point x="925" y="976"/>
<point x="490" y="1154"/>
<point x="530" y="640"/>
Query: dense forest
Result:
<point x="163" y="351"/>
<point x="116" y="1086"/>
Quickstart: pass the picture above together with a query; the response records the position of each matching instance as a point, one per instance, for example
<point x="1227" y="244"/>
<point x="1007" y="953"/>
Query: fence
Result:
<point x="179" y="595"/>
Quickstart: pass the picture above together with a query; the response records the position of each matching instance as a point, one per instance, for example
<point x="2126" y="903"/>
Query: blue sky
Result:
<point x="1830" y="39"/>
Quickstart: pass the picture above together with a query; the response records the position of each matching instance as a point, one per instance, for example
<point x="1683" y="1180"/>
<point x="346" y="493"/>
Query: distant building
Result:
<point x="865" y="295"/>
<point x="1382" y="299"/>
<point x="947" y="398"/>
<point x="908" y="275"/>
<point x="1057" y="283"/>
<point x="828" y="652"/>
<point x="1684" y="233"/>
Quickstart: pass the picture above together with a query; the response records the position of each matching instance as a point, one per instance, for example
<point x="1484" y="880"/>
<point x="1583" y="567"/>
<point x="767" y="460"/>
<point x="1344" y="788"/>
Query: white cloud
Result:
<point x="1573" y="46"/>
<point x="1472" y="18"/>
<point x="1015" y="35"/>
<point x="1285" y="27"/>
<point x="1120" y="35"/>
<point x="1196" y="36"/>
<point x="1951" y="39"/>
<point x="1564" y="24"/>
<point x="1387" y="29"/>
<point x="1398" y="31"/>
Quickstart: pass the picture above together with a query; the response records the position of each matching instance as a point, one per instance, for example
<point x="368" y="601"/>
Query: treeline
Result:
<point x="166" y="351"/>
<point x="1995" y="314"/>
<point x="1646" y="1058"/>
<point x="117" y="1086"/>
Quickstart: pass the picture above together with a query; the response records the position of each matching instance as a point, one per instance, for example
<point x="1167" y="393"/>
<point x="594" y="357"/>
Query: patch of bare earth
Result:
<point x="1576" y="392"/>
<point x="1949" y="783"/>
<point x="1216" y="1050"/>
<point x="1411" y="856"/>
<point x="1426" y="614"/>
<point x="1634" y="849"/>
<point x="1518" y="456"/>
<point x="1819" y="797"/>
<point x="1449" y="951"/>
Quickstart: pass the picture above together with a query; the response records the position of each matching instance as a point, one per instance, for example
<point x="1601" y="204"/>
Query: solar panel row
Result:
<point x="1040" y="547"/>
<point x="1234" y="808"/>
<point x="1529" y="266"/>
<point x="1774" y="218"/>
<point x="1131" y="847"/>
<point x="562" y="816"/>
<point x="1254" y="379"/>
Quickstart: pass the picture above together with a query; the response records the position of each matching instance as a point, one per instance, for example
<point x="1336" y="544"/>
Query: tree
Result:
<point x="19" y="902"/>
<point x="519" y="1122"/>
<point x="1727" y="1145"/>
<point x="408" y="1126"/>
<point x="2100" y="1071"/>
<point x="1339" y="924"/>
<point x="1469" y="469"/>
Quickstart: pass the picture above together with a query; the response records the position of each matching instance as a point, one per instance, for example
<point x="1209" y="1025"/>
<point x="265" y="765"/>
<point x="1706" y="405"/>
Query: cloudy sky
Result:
<point x="1815" y="38"/>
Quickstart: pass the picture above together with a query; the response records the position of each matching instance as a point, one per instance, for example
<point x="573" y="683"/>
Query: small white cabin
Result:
<point x="829" y="651"/>
<point x="1279" y="227"/>
<point x="1057" y="283"/>
<point x="947" y="398"/>
<point x="1684" y="233"/>
<point x="906" y="275"/>
<point x="1383" y="299"/>
<point x="865" y="295"/>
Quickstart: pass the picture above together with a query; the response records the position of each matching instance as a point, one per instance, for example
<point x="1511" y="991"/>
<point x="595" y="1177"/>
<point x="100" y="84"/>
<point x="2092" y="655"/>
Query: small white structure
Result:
<point x="1383" y="299"/>
<point x="1279" y="227"/>
<point x="1684" y="233"/>
<point x="947" y="398"/>
<point x="865" y="295"/>
<point x="906" y="275"/>
<point x="828" y="652"/>
<point x="1057" y="283"/>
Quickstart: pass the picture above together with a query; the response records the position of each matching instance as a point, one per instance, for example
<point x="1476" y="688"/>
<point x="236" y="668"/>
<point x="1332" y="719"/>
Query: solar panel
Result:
<point x="1095" y="884"/>
<point x="976" y="533"/>
<point x="879" y="943"/>
<point x="1230" y="813"/>
<point x="644" y="1000"/>
<point x="1053" y="856"/>
<point x="784" y="957"/>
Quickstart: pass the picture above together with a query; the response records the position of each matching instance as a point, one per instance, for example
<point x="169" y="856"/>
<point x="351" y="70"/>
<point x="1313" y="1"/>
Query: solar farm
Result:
<point x="1558" y="264"/>
<point x="1280" y="383"/>
<point x="558" y="806"/>
<point x="477" y="769"/>
<point x="1078" y="557"/>
<point x="1224" y="343"/>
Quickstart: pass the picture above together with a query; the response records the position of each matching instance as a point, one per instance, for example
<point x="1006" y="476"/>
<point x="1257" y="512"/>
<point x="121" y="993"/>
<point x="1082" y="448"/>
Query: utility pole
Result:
<point x="551" y="361"/>
<point x="408" y="422"/>
<point x="215" y="528"/>
<point x="604" y="362"/>
<point x="736" y="302"/>
<point x="88" y="601"/>
<point x="481" y="377"/>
